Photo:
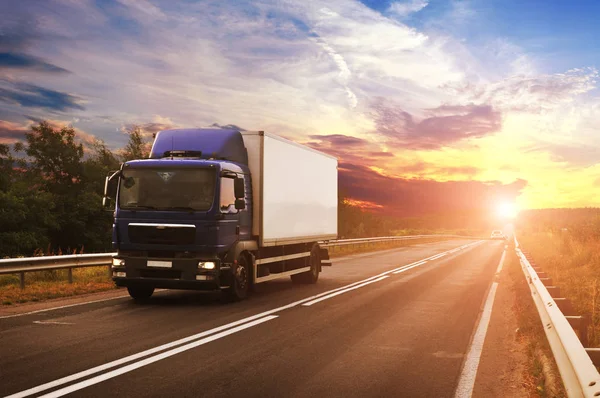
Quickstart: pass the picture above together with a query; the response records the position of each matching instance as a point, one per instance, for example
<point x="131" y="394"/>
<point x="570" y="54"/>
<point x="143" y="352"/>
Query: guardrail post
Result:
<point x="594" y="354"/>
<point x="564" y="305"/>
<point x="580" y="324"/>
<point x="22" y="279"/>
<point x="554" y="291"/>
<point x="70" y="271"/>
<point x="109" y="272"/>
<point x="583" y="330"/>
<point x="546" y="281"/>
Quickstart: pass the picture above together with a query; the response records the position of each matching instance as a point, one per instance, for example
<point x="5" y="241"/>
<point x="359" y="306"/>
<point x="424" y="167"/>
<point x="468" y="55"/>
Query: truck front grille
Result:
<point x="161" y="235"/>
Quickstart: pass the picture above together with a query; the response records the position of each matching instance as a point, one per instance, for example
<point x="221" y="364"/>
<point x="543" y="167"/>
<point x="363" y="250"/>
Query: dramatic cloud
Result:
<point x="32" y="96"/>
<point x="446" y="125"/>
<point x="404" y="197"/>
<point x="23" y="61"/>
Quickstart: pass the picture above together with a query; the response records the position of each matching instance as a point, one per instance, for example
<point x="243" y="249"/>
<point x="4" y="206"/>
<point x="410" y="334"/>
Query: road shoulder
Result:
<point x="503" y="361"/>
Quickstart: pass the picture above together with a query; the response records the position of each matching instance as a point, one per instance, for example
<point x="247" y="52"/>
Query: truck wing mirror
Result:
<point x="110" y="189"/>
<point x="240" y="204"/>
<point x="238" y="186"/>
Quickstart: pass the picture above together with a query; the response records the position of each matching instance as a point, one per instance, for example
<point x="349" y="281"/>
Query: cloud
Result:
<point x="412" y="197"/>
<point x="148" y="129"/>
<point x="339" y="139"/>
<point x="32" y="96"/>
<point x="10" y="60"/>
<point x="84" y="137"/>
<point x="228" y="126"/>
<point x="530" y="94"/>
<point x="577" y="155"/>
<point x="11" y="133"/>
<point x="446" y="124"/>
<point x="403" y="9"/>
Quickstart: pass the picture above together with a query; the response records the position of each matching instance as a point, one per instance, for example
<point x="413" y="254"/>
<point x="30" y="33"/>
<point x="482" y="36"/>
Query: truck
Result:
<point x="223" y="210"/>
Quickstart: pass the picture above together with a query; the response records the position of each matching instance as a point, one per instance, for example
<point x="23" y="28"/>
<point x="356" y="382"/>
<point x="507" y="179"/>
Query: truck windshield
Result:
<point x="167" y="189"/>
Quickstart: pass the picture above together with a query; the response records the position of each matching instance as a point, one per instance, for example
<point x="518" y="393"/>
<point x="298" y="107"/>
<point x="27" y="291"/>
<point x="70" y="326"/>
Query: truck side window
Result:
<point x="227" y="195"/>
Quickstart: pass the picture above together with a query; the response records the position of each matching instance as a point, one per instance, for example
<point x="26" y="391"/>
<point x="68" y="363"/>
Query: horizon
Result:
<point x="429" y="105"/>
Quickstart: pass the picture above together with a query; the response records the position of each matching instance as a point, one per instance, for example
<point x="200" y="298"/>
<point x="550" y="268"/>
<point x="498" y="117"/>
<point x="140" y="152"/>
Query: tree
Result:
<point x="137" y="147"/>
<point x="56" y="157"/>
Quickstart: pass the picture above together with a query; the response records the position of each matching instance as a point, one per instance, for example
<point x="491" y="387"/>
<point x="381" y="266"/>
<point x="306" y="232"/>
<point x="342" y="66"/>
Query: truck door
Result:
<point x="229" y="225"/>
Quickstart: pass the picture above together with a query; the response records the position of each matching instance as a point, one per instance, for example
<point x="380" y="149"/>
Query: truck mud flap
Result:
<point x="324" y="256"/>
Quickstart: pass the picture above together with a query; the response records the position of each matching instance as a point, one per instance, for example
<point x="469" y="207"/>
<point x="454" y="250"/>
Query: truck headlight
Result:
<point x="206" y="265"/>
<point x="118" y="262"/>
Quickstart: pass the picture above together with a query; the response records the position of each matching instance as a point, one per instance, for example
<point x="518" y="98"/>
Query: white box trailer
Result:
<point x="295" y="191"/>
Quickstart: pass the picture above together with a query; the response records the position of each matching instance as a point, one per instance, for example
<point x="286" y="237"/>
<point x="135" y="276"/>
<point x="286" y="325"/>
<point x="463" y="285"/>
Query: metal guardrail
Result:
<point x="48" y="263"/>
<point x="580" y="376"/>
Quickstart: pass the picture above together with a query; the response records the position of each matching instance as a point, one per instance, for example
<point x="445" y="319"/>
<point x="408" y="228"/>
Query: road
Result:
<point x="383" y="324"/>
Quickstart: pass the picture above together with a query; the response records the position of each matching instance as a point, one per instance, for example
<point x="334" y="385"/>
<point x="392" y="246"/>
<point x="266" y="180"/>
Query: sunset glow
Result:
<point x="428" y="109"/>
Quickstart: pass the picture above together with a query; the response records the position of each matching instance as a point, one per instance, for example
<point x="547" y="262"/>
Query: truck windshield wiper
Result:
<point x="136" y="207"/>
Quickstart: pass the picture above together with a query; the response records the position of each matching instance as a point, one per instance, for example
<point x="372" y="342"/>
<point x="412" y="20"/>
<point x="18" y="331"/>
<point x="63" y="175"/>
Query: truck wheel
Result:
<point x="311" y="277"/>
<point x="240" y="280"/>
<point x="140" y="292"/>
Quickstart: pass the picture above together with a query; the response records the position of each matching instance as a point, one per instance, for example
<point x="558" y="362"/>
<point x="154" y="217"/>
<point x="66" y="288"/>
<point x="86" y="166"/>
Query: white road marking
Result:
<point x="415" y="263"/>
<point x="501" y="263"/>
<point x="469" y="371"/>
<point x="404" y="269"/>
<point x="156" y="358"/>
<point x="344" y="291"/>
<point x="52" y="323"/>
<point x="438" y="256"/>
<point x="130" y="358"/>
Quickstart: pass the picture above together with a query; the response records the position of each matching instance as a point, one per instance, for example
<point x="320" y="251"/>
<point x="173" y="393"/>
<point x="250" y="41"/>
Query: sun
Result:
<point x="507" y="210"/>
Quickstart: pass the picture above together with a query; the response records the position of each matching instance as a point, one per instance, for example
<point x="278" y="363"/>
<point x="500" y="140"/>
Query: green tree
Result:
<point x="56" y="157"/>
<point x="137" y="147"/>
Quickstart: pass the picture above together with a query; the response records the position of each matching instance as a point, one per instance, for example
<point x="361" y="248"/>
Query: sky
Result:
<point x="429" y="105"/>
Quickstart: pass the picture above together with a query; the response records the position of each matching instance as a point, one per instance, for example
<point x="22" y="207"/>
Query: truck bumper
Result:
<point x="170" y="273"/>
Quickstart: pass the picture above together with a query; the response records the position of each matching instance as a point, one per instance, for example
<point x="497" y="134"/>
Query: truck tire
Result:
<point x="311" y="277"/>
<point x="140" y="292"/>
<point x="240" y="279"/>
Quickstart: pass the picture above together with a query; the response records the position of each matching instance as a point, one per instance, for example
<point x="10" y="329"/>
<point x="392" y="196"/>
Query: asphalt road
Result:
<point x="361" y="331"/>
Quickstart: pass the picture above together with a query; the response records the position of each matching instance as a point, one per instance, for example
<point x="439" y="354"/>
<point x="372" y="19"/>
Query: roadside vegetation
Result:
<point x="565" y="243"/>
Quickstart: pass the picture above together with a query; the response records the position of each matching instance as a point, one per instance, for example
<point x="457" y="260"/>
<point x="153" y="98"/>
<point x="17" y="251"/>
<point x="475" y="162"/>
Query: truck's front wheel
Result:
<point x="140" y="292"/>
<point x="240" y="281"/>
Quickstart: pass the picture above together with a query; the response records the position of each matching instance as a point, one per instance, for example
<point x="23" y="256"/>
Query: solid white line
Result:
<point x="344" y="291"/>
<point x="156" y="358"/>
<point x="469" y="371"/>
<point x="408" y="265"/>
<point x="401" y="270"/>
<point x="501" y="263"/>
<point x="438" y="256"/>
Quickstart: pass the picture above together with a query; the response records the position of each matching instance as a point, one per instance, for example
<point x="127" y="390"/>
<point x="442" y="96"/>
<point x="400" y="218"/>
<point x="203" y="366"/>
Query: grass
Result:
<point x="45" y="285"/>
<point x="540" y="373"/>
<point x="573" y="263"/>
